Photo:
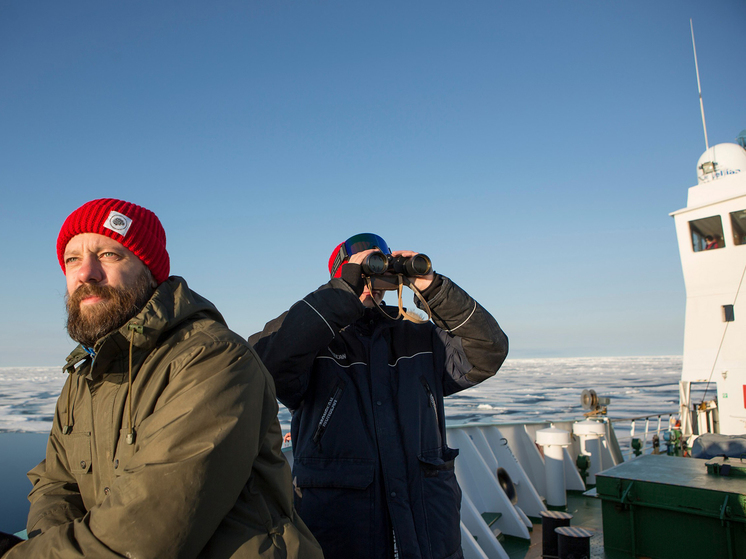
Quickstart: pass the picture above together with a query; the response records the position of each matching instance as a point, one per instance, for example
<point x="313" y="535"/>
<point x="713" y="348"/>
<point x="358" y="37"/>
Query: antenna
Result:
<point x="699" y="87"/>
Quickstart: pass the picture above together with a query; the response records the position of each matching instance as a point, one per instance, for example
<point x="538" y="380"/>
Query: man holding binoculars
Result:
<point x="372" y="473"/>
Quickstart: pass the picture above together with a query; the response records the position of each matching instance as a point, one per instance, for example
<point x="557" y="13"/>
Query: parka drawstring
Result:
<point x="68" y="422"/>
<point x="130" y="439"/>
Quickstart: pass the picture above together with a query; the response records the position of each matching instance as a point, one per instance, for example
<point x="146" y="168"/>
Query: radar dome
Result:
<point x="720" y="161"/>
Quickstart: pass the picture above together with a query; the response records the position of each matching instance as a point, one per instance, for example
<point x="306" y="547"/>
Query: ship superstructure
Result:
<point x="711" y="233"/>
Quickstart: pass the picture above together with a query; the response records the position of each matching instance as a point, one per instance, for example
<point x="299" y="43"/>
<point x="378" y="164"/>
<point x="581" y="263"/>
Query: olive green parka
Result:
<point x="204" y="475"/>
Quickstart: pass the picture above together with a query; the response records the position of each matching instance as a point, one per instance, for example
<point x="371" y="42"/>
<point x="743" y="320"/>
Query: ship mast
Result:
<point x="699" y="87"/>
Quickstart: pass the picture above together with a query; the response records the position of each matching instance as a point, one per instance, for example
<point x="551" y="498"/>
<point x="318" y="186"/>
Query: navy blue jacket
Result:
<point x="371" y="465"/>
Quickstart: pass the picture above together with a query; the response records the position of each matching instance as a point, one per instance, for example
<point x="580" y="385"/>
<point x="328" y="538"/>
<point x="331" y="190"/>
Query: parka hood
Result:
<point x="172" y="304"/>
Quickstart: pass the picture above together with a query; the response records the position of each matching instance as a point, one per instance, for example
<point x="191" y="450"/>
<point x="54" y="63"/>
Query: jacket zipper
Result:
<point x="431" y="399"/>
<point x="331" y="405"/>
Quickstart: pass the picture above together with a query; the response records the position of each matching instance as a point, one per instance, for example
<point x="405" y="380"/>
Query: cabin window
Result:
<point x="738" y="224"/>
<point x="728" y="314"/>
<point x="707" y="233"/>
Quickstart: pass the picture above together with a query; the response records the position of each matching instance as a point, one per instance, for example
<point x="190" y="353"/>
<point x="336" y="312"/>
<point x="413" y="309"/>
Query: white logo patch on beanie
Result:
<point x="119" y="223"/>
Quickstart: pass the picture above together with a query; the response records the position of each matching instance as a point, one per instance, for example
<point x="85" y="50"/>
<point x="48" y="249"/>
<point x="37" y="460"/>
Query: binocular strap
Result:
<point x="402" y="313"/>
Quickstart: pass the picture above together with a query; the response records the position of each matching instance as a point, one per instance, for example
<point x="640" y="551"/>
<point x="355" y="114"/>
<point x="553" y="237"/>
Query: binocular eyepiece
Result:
<point x="377" y="263"/>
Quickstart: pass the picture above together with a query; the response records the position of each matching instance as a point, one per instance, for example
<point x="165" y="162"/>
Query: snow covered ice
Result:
<point x="523" y="390"/>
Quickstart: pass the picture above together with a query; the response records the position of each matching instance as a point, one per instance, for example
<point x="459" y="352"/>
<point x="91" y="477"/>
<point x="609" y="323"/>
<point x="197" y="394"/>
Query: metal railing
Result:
<point x="649" y="425"/>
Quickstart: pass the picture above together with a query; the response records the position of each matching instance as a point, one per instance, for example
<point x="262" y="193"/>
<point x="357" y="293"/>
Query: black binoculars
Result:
<point x="377" y="263"/>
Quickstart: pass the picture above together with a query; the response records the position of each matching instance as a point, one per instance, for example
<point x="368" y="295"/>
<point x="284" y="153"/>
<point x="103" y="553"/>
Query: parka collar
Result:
<point x="372" y="320"/>
<point x="172" y="303"/>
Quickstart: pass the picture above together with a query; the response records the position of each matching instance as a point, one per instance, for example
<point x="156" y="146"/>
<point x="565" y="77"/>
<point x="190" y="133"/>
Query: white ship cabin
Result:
<point x="711" y="232"/>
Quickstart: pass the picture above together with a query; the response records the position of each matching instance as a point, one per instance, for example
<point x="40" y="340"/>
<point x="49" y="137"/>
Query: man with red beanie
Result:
<point x="165" y="440"/>
<point x="373" y="475"/>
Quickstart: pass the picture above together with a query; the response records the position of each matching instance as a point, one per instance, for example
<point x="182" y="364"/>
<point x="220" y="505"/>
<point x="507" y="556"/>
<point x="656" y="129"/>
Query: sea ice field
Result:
<point x="523" y="390"/>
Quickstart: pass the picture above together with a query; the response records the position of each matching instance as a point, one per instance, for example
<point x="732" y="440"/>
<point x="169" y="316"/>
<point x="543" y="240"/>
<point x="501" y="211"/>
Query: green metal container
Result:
<point x="661" y="507"/>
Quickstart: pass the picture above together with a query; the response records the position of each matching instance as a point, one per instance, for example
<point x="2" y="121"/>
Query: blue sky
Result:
<point x="533" y="149"/>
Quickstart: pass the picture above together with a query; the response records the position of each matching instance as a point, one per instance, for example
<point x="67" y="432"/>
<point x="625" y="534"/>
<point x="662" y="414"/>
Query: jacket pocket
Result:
<point x="79" y="453"/>
<point x="326" y="415"/>
<point x="335" y="499"/>
<point x="442" y="499"/>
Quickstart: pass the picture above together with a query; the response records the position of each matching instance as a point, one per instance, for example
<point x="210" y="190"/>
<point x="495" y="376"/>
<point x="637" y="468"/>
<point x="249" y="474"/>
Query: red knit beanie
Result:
<point x="133" y="226"/>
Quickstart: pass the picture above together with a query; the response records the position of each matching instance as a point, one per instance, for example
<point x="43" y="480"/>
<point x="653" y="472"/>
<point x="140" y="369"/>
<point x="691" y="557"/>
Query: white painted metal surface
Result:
<point x="554" y="441"/>
<point x="590" y="433"/>
<point x="714" y="349"/>
<point x="480" y="484"/>
<point x="529" y="499"/>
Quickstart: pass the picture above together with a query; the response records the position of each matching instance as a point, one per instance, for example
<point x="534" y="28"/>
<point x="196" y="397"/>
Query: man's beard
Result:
<point x="118" y="305"/>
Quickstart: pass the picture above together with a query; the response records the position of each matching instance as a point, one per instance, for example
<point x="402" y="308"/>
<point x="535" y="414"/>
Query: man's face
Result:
<point x="106" y="286"/>
<point x="367" y="297"/>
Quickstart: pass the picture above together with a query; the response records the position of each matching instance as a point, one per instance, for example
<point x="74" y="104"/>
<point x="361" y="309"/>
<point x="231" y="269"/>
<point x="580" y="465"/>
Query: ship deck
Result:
<point x="586" y="513"/>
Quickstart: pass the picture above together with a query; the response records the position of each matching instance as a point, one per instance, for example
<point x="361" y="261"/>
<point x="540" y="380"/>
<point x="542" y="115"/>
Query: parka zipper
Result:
<point x="331" y="405"/>
<point x="431" y="399"/>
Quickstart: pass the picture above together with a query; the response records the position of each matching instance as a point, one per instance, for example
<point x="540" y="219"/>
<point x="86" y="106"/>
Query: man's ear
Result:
<point x="153" y="283"/>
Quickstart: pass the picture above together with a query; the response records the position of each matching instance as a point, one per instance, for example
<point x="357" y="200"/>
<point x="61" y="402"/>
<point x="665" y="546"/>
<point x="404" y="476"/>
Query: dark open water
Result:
<point x="19" y="452"/>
